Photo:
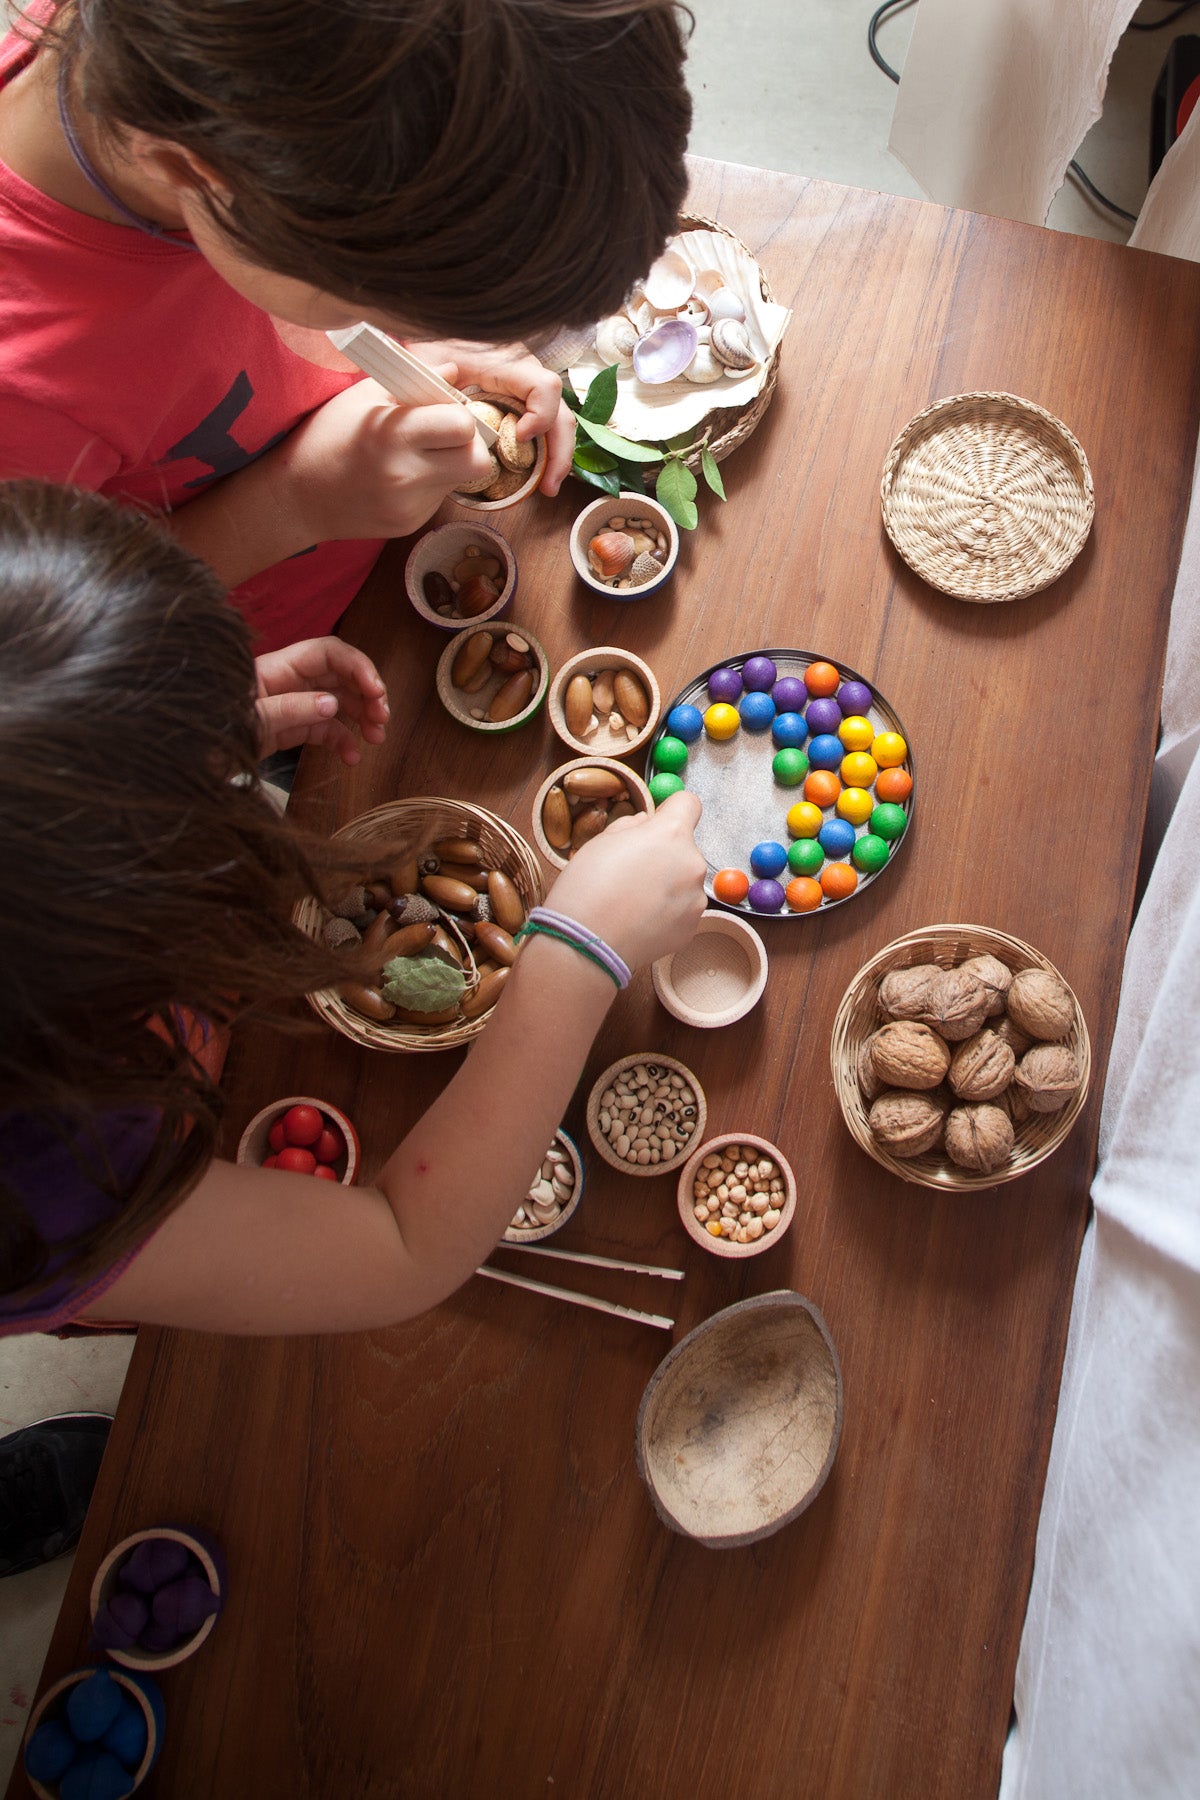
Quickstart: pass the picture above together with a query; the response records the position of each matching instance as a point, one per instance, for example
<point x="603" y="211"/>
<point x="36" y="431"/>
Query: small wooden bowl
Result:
<point x="718" y="977"/>
<point x="598" y="516"/>
<point x="533" y="1234"/>
<point x="507" y="403"/>
<point x="459" y="705"/>
<point x="104" y="1583"/>
<point x="441" y="550"/>
<point x="603" y="741"/>
<point x="254" y="1146"/>
<point x="859" y="1015"/>
<point x="668" y="1064"/>
<point x="720" y="1246"/>
<point x="739" y="1424"/>
<point x="639" y="794"/>
<point x="141" y="1690"/>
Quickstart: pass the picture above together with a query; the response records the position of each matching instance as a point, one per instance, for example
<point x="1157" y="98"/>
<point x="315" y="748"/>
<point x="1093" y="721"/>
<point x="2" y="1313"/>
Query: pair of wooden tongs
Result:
<point x="572" y="1295"/>
<point x="406" y="378"/>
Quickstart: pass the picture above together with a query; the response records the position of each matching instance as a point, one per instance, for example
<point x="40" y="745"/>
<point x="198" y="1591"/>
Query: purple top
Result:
<point x="63" y="1202"/>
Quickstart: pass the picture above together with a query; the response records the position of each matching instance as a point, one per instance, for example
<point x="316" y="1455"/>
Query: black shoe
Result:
<point x="47" y="1473"/>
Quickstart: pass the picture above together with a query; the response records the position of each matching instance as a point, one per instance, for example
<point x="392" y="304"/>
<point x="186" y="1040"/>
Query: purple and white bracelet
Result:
<point x="547" y="922"/>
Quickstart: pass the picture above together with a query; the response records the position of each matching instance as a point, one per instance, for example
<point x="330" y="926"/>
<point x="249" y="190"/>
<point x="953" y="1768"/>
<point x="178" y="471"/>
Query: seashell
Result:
<point x="664" y="353"/>
<point x="694" y="309"/>
<point x="610" y="553"/>
<point x="707" y="283"/>
<point x="615" y="338"/>
<point x="725" y="304"/>
<point x="704" y="366"/>
<point x="669" y="282"/>
<point x="641" y="314"/>
<point x="731" y="345"/>
<point x="644" y="568"/>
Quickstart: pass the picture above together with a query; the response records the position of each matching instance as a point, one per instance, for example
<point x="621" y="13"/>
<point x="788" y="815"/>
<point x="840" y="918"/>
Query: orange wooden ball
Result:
<point x="822" y="787"/>
<point x="893" y="785"/>
<point x="838" y="880"/>
<point x="803" y="894"/>
<point x="822" y="679"/>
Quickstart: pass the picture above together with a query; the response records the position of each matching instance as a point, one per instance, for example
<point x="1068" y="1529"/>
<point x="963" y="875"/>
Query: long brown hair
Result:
<point x="142" y="868"/>
<point x="483" y="168"/>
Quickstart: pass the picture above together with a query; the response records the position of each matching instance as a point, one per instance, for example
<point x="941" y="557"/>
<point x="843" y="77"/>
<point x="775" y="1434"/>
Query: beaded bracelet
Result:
<point x="552" y="924"/>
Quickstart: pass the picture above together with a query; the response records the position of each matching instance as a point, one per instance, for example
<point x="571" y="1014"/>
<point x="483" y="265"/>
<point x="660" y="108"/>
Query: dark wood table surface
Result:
<point x="446" y="1577"/>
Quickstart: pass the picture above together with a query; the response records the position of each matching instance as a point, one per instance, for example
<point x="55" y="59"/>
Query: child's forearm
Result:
<point x="246" y="522"/>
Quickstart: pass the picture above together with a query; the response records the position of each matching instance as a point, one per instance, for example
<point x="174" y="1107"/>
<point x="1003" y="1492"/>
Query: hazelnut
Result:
<point x="908" y="1124"/>
<point x="868" y="1080"/>
<point x="1047" y="1076"/>
<point x="995" y="976"/>
<point x="958" y="1004"/>
<point x="979" y="1137"/>
<point x="908" y="1055"/>
<point x="1009" y="1034"/>
<point x="905" y="993"/>
<point x="982" y="1067"/>
<point x="1039" y="1004"/>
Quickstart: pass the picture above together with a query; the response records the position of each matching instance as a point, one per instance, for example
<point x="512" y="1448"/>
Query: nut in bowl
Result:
<point x="493" y="678"/>
<point x="646" y="1114"/>
<point x="304" y="1135"/>
<point x="960" y="1056"/>
<point x="580" y="800"/>
<point x="624" y="547"/>
<point x="458" y="573"/>
<point x="605" y="701"/>
<point x="554" y="1194"/>
<point x="737" y="1195"/>
<point x="516" y="467"/>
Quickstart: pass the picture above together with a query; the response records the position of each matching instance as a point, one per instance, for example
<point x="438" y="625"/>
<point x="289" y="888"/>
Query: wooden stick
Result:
<point x="576" y="1299"/>
<point x="406" y="378"/>
<point x="596" y="1262"/>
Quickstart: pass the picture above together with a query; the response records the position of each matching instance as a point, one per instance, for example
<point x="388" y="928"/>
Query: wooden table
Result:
<point x="447" y="1580"/>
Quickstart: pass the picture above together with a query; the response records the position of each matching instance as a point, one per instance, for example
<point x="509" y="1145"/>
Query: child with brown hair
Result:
<point x="146" y="880"/>
<point x="192" y="191"/>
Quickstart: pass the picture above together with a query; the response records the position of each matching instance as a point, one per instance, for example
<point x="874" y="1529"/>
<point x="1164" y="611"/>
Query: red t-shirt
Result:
<point x="128" y="366"/>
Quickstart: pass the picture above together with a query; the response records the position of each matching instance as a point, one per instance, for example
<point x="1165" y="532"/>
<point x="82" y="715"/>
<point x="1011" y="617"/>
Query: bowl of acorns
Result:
<point x="960" y="1056"/>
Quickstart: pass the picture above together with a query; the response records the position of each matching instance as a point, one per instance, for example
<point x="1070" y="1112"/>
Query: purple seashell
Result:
<point x="823" y="716"/>
<point x="158" y="1638"/>
<point x="759" y="673"/>
<point x="664" y="353"/>
<point x="121" y="1620"/>
<point x="154" y="1562"/>
<point x="789" y="694"/>
<point x="182" y="1606"/>
<point x="108" y="1634"/>
<point x="765" y="896"/>
<point x="725" y="684"/>
<point x="855" y="699"/>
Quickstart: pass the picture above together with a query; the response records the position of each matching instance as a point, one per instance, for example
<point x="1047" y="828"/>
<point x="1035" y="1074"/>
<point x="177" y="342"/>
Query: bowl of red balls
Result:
<point x="304" y="1137"/>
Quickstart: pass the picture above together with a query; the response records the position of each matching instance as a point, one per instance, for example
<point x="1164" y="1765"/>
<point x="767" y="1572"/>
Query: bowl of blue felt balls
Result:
<point x="156" y="1596"/>
<point x="94" y="1735"/>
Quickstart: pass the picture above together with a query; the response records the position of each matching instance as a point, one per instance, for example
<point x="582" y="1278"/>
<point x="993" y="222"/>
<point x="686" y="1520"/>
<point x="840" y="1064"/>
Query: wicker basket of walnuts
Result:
<point x="960" y="1057"/>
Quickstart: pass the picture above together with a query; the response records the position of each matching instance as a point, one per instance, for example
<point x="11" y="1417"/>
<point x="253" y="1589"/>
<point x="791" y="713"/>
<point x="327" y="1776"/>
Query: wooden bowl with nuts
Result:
<point x="458" y="574"/>
<point x="493" y="678"/>
<point x="604" y="701"/>
<point x="554" y="1194"/>
<point x="646" y="1114"/>
<point x="577" y="802"/>
<point x="739" y="1424"/>
<point x="624" y="547"/>
<point x="517" y="468"/>
<point x="961" y="1057"/>
<point x="737" y="1195"/>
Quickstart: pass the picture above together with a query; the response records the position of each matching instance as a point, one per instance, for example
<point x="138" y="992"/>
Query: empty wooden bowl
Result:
<point x="463" y="706"/>
<point x="637" y="791"/>
<point x="255" y="1146"/>
<point x="658" y="1068"/>
<point x="688" y="1201"/>
<point x="718" y="977"/>
<point x="739" y="1424"/>
<point x="541" y="454"/>
<point x="533" y="1234"/>
<point x="606" y="740"/>
<point x="51" y="1710"/>
<point x="615" y="513"/>
<point x="446" y="548"/>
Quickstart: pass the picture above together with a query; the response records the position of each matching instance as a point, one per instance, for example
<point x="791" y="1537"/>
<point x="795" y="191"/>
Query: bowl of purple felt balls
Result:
<point x="156" y="1596"/>
<point x="94" y="1735"/>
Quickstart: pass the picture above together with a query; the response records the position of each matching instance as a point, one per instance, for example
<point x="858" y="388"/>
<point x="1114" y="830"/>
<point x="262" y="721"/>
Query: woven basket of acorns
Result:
<point x="442" y="888"/>
<point x="960" y="1057"/>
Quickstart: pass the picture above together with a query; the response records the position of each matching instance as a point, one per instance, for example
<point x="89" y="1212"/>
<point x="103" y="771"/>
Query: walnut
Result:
<point x="905" y="993"/>
<point x="1039" y="1004"/>
<point x="908" y="1124"/>
<point x="1008" y="1034"/>
<point x="1019" y="1109"/>
<point x="1047" y="1076"/>
<point x="979" y="1137"/>
<point x="982" y="1067"/>
<point x="868" y="1080"/>
<point x="908" y="1055"/>
<point x="958" y="1004"/>
<point x="995" y="976"/>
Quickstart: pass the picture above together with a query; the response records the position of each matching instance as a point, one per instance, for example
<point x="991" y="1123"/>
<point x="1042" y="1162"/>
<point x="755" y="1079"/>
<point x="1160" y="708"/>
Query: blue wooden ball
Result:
<point x="826" y="751"/>
<point x="757" y="711"/>
<point x="685" y="722"/>
<point x="768" y="858"/>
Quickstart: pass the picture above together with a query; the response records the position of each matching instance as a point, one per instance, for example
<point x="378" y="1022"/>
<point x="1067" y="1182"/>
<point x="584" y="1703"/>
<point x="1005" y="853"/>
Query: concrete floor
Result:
<point x="815" y="105"/>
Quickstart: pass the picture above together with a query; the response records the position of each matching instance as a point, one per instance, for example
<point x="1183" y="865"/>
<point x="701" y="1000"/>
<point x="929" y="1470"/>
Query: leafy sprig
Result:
<point x="616" y="464"/>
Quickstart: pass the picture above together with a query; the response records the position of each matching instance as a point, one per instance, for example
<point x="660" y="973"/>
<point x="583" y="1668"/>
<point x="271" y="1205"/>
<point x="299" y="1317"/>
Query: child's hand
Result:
<point x="512" y="369"/>
<point x="640" y="884"/>
<point x="319" y="692"/>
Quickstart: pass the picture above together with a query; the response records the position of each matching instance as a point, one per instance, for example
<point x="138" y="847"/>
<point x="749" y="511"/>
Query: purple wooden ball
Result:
<point x="725" y="684"/>
<point x="154" y="1562"/>
<point x="855" y="699"/>
<point x="789" y="694"/>
<point x="765" y="896"/>
<point x="758" y="674"/>
<point x="823" y="716"/>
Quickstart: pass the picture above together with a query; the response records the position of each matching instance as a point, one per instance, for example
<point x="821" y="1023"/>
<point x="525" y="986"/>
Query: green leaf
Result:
<point x="609" y="440"/>
<point x="606" y="479"/>
<point x="682" y="441"/>
<point x="601" y="396"/>
<point x="569" y="395"/>
<point x="676" y="490"/>
<point x="633" y="476"/>
<point x="593" y="459"/>
<point x="711" y="473"/>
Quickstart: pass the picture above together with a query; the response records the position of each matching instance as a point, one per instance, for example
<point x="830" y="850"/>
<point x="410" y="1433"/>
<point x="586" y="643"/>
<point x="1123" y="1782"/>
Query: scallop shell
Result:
<point x="704" y="366"/>
<point x="731" y="344"/>
<point x="707" y="283"/>
<point x="669" y="282"/>
<point x="664" y="353"/>
<point x="615" y="338"/>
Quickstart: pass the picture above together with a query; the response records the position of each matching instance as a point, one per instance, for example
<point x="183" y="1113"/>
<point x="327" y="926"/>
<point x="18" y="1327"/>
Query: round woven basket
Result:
<point x="987" y="497"/>
<point x="379" y="836"/>
<point x="730" y="426"/>
<point x="859" y="1014"/>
